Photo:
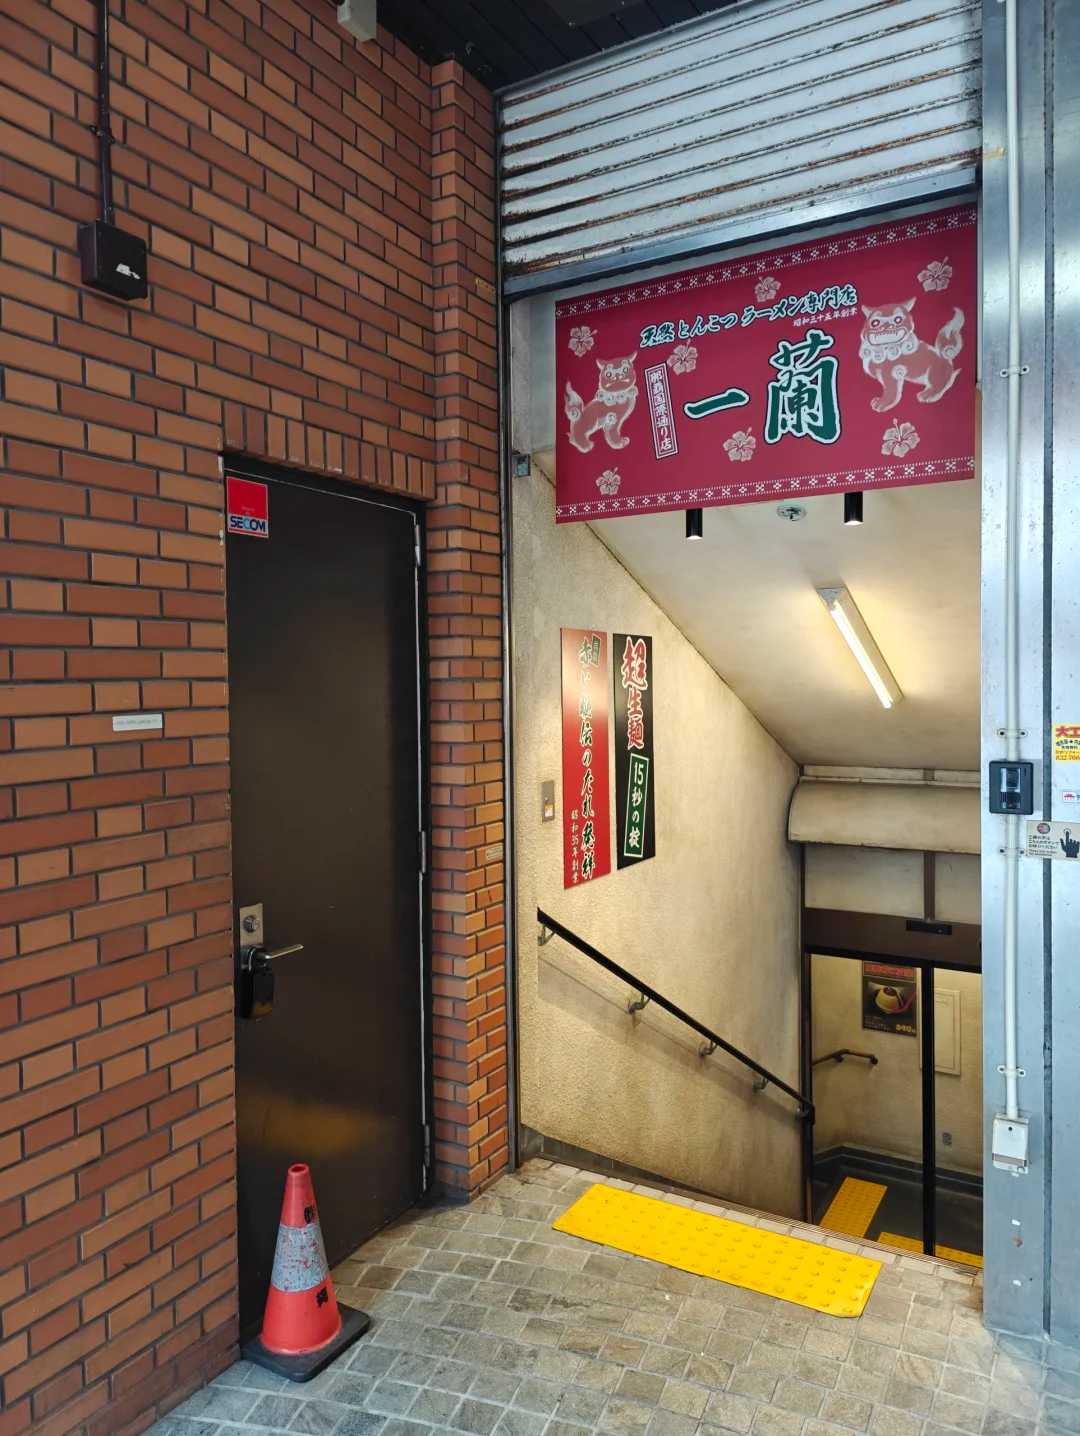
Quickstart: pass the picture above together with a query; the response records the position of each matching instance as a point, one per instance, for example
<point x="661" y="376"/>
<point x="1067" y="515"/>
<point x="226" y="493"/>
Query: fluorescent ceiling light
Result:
<point x="844" y="613"/>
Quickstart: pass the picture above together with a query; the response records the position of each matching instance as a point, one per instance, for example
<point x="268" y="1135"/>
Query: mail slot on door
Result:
<point x="255" y="981"/>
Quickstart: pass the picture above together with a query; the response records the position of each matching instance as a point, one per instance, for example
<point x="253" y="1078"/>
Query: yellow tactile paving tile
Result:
<point x="807" y="1273"/>
<point x="911" y="1244"/>
<point x="852" y="1209"/>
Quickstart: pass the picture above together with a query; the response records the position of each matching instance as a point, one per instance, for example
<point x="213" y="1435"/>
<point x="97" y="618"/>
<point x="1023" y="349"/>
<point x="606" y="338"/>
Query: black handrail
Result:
<point x="806" y="1106"/>
<point x="842" y="1052"/>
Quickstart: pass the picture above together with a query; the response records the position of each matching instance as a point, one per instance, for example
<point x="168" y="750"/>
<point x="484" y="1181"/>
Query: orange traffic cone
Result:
<point x="303" y="1326"/>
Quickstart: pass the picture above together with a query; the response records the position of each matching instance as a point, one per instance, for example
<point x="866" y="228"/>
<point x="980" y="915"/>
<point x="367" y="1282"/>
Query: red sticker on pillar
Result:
<point x="247" y="508"/>
<point x="585" y="738"/>
<point x="841" y="364"/>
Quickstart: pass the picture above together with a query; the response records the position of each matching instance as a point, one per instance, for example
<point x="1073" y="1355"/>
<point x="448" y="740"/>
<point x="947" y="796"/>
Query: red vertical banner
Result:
<point x="585" y="739"/>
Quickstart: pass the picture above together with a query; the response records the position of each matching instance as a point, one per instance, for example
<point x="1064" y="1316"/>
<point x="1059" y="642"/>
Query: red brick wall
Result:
<point x="466" y="645"/>
<point x="320" y="223"/>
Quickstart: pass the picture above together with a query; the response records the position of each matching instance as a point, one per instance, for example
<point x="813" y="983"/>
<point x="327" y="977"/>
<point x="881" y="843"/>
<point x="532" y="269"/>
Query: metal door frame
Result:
<point x="928" y="1081"/>
<point x="243" y="467"/>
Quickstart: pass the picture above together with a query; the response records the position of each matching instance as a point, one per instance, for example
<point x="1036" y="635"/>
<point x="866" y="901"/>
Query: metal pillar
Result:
<point x="1063" y="1094"/>
<point x="1015" y="1207"/>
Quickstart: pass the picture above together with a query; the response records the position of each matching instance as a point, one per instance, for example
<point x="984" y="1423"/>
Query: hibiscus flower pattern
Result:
<point x="766" y="289"/>
<point x="608" y="482"/>
<point x="683" y="359"/>
<point x="936" y="275"/>
<point x="740" y="447"/>
<point x="899" y="440"/>
<point x="582" y="339"/>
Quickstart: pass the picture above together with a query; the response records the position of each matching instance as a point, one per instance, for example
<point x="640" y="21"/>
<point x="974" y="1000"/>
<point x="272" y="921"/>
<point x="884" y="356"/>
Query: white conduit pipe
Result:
<point x="1012" y="540"/>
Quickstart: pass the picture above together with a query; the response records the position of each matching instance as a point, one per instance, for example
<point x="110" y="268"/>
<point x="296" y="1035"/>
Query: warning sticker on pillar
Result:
<point x="1058" y="842"/>
<point x="586" y="791"/>
<point x="1067" y="742"/>
<point x="843" y="363"/>
<point x="635" y="775"/>
<point x="247" y="508"/>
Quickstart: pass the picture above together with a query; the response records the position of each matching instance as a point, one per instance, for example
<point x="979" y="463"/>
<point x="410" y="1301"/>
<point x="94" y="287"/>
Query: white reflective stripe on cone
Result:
<point x="299" y="1258"/>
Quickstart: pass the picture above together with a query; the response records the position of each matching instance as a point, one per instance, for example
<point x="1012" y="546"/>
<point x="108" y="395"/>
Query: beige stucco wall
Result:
<point x="879" y="1108"/>
<point x="888" y="880"/>
<point x="711" y="921"/>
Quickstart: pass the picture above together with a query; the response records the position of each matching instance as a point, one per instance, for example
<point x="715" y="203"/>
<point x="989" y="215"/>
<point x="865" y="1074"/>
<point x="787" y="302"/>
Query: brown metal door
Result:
<point x="326" y="812"/>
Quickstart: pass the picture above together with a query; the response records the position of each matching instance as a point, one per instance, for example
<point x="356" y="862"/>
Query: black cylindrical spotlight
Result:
<point x="695" y="523"/>
<point x="853" y="508"/>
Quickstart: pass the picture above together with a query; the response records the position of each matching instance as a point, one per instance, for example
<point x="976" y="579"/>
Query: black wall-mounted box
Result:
<point x="1012" y="787"/>
<point x="113" y="260"/>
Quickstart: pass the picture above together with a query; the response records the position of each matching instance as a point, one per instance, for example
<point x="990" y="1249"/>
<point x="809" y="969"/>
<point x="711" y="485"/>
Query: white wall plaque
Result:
<point x="131" y="722"/>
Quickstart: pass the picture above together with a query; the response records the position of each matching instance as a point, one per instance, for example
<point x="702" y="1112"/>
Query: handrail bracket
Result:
<point x="550" y="927"/>
<point x="842" y="1052"/>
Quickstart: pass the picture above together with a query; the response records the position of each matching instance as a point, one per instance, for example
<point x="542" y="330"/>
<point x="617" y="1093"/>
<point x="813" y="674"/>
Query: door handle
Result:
<point x="283" y="952"/>
<point x="255" y="986"/>
<point x="252" y="958"/>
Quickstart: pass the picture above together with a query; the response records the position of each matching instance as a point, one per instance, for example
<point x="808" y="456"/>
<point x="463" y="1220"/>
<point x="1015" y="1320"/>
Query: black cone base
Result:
<point x="304" y="1367"/>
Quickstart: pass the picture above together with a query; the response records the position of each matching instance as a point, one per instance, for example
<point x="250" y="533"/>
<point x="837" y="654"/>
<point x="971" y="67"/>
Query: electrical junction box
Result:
<point x="547" y="801"/>
<point x="1010" y="1144"/>
<point x="358" y="17"/>
<point x="1012" y="787"/>
<point x="113" y="261"/>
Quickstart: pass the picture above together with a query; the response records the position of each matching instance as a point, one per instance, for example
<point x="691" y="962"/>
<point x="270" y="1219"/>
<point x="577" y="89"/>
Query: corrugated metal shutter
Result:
<point x="771" y="106"/>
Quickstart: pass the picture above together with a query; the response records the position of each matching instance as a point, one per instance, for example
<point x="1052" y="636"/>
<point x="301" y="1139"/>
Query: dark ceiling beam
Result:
<point x="516" y="31"/>
<point x="504" y="42"/>
<point x="675" y="12"/>
<point x="441" y="39"/>
<point x="607" y="33"/>
<point x="639" y="21"/>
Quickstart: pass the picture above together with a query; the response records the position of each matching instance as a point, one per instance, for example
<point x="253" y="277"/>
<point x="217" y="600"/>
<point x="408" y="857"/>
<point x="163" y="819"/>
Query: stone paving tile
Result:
<point x="487" y="1322"/>
<point x="361" y="1423"/>
<point x="391" y="1398"/>
<point x="317" y="1418"/>
<point x="842" y="1409"/>
<point x="224" y="1403"/>
<point x="997" y="1423"/>
<point x="435" y="1407"/>
<point x="183" y="1426"/>
<point x="480" y="1417"/>
<point x="861" y="1383"/>
<point x="624" y="1417"/>
<point x="799" y="1396"/>
<point x="731" y="1412"/>
<point x="520" y="1423"/>
<point x="684" y="1398"/>
<point x="746" y="1381"/>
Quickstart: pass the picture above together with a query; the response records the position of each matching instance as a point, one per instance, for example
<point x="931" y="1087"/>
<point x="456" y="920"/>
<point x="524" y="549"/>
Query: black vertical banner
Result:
<point x="635" y="779"/>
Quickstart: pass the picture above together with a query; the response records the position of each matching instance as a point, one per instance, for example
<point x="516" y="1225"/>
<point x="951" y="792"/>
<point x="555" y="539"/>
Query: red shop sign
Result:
<point x="585" y="740"/>
<point x="843" y="363"/>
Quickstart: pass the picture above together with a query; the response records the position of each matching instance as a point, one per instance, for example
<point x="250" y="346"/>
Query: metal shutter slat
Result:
<point x="772" y="105"/>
